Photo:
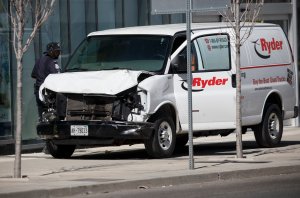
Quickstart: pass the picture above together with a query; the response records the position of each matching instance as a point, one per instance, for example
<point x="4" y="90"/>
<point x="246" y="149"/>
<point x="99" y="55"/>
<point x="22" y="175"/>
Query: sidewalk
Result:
<point x="109" y="169"/>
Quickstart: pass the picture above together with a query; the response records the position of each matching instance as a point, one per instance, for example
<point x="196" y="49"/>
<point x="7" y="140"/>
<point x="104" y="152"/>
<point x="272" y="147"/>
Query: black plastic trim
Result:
<point x="97" y="130"/>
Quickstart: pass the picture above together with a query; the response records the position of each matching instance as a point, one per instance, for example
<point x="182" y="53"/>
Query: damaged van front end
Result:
<point x="80" y="113"/>
<point x="97" y="100"/>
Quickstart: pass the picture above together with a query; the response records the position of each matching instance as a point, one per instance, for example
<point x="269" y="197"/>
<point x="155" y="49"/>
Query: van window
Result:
<point x="131" y="52"/>
<point x="177" y="42"/>
<point x="215" y="52"/>
<point x="181" y="60"/>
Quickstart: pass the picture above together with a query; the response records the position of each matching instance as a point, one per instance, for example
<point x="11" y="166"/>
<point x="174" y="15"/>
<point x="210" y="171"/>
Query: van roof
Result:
<point x="168" y="29"/>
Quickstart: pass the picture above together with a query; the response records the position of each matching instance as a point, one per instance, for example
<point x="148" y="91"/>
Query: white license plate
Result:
<point x="79" y="130"/>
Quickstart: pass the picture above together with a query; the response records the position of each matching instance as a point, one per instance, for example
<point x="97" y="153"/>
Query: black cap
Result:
<point x="53" y="46"/>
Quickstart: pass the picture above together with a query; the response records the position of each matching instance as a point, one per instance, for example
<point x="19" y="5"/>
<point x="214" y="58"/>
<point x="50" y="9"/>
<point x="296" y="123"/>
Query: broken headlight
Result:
<point x="133" y="101"/>
<point x="49" y="113"/>
<point x="49" y="96"/>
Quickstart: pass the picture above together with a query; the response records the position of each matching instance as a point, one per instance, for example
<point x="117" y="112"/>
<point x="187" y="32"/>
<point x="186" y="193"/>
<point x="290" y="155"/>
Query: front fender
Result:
<point x="159" y="90"/>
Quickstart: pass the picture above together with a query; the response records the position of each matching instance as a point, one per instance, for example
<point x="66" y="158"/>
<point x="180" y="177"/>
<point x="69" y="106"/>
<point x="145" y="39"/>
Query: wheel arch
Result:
<point x="273" y="98"/>
<point x="167" y="109"/>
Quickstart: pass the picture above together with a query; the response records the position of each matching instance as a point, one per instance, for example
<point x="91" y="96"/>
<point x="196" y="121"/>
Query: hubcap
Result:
<point x="273" y="126"/>
<point x="165" y="135"/>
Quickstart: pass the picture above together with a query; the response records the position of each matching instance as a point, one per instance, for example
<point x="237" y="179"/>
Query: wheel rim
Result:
<point x="273" y="126"/>
<point x="165" y="135"/>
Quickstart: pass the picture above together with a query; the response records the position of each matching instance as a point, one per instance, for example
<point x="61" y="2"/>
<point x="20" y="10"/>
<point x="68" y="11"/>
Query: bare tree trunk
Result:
<point x="239" y="145"/>
<point x="237" y="20"/>
<point x="18" y="9"/>
<point x="18" y="134"/>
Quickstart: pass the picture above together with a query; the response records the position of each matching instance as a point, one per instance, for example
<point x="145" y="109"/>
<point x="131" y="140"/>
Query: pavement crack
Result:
<point x="72" y="169"/>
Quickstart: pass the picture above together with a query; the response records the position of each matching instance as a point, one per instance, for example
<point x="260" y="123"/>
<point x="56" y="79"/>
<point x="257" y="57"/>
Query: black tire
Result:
<point x="269" y="132"/>
<point x="60" y="151"/>
<point x="163" y="140"/>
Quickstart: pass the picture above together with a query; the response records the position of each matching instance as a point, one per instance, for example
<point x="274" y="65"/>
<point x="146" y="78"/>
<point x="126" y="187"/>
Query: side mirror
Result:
<point x="178" y="64"/>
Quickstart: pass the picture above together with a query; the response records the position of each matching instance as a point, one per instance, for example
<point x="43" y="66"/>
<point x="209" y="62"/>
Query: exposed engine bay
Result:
<point x="68" y="106"/>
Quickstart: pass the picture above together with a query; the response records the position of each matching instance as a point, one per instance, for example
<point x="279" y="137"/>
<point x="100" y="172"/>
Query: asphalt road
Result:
<point x="279" y="186"/>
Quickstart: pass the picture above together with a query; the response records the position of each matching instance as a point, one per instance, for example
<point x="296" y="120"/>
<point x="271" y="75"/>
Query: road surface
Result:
<point x="259" y="187"/>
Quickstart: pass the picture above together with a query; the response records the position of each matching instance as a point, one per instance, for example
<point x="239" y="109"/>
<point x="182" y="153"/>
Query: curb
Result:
<point x="153" y="182"/>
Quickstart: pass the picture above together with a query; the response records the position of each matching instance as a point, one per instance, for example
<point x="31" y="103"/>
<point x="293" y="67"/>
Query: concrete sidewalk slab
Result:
<point x="115" y="168"/>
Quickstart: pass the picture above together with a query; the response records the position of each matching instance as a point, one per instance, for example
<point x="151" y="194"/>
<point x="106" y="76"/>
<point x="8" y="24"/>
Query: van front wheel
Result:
<point x="162" y="142"/>
<point x="60" y="151"/>
<point x="269" y="132"/>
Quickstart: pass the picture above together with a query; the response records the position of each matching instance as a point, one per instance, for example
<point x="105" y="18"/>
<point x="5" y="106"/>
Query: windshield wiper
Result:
<point x="76" y="69"/>
<point x="115" y="68"/>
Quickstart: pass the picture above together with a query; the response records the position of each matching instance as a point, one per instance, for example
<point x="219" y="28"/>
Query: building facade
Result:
<point x="69" y="24"/>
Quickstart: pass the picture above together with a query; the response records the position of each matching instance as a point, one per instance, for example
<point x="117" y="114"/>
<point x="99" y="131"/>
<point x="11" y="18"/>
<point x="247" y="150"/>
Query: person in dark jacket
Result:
<point x="44" y="66"/>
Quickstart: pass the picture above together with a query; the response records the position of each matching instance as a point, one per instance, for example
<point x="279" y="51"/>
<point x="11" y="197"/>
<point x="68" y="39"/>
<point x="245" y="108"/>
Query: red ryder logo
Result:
<point x="270" y="46"/>
<point x="199" y="84"/>
<point x="267" y="47"/>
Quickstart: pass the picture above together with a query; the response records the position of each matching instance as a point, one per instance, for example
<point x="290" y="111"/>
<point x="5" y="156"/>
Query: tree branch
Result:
<point x="41" y="15"/>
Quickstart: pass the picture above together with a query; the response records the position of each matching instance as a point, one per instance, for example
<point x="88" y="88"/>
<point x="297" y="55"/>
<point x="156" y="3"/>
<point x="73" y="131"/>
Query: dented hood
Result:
<point x="109" y="82"/>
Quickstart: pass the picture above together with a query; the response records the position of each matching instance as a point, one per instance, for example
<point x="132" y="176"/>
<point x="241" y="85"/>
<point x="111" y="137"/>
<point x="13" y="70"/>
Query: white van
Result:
<point x="129" y="85"/>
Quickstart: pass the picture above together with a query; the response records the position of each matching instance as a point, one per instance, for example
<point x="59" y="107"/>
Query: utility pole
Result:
<point x="189" y="82"/>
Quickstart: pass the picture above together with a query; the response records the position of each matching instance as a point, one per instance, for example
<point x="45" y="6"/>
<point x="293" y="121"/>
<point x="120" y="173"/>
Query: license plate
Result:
<point x="79" y="130"/>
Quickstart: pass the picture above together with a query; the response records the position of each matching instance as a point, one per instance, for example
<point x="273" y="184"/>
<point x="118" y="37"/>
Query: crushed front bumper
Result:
<point x="97" y="131"/>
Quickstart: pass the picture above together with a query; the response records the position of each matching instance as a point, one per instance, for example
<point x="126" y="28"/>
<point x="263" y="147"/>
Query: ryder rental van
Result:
<point x="129" y="85"/>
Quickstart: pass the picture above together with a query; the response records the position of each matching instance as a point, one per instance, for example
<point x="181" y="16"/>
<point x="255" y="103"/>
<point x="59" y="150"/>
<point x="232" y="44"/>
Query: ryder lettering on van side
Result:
<point x="203" y="83"/>
<point x="267" y="46"/>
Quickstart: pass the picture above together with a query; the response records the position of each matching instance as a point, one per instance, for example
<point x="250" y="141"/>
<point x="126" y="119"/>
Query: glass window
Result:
<point x="106" y="14"/>
<point x="77" y="23"/>
<point x="121" y="52"/>
<point x="91" y="15"/>
<point x="214" y="50"/>
<point x="64" y="34"/>
<point x="5" y="78"/>
<point x="180" y="61"/>
<point x="130" y="13"/>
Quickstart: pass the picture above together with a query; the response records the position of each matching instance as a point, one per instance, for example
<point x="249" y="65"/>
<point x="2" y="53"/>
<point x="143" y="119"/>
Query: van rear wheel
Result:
<point x="163" y="140"/>
<point x="60" y="151"/>
<point x="269" y="132"/>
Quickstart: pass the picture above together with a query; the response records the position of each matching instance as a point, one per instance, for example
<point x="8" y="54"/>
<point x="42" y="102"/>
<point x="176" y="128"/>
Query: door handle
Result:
<point x="233" y="80"/>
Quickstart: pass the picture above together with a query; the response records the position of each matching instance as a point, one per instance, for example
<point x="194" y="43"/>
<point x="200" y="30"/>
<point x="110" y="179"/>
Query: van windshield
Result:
<point x="120" y="52"/>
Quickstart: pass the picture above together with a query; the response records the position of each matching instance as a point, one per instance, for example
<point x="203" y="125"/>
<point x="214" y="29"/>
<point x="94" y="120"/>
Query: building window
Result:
<point x="5" y="78"/>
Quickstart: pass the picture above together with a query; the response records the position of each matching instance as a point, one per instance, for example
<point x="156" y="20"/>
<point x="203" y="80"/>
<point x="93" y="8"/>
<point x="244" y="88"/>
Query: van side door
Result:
<point x="213" y="93"/>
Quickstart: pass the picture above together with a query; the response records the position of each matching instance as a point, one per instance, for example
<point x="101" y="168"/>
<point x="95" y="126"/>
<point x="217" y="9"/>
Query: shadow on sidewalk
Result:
<point x="200" y="149"/>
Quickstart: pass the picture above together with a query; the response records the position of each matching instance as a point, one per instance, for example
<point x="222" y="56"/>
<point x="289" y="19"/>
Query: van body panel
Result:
<point x="159" y="90"/>
<point x="268" y="68"/>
